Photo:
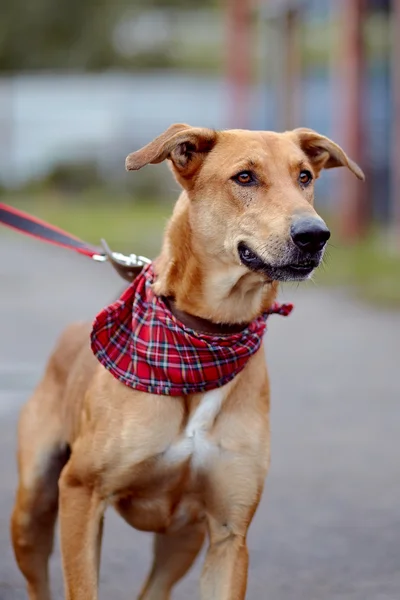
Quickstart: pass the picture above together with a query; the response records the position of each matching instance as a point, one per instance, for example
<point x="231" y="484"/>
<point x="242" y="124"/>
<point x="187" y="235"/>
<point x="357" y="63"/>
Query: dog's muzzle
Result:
<point x="294" y="266"/>
<point x="298" y="259"/>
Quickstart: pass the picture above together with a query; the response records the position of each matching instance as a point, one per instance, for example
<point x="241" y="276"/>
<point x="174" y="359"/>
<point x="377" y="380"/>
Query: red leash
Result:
<point x="21" y="221"/>
<point x="127" y="266"/>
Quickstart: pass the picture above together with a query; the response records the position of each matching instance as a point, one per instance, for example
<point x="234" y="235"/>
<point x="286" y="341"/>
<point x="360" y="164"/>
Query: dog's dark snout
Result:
<point x="309" y="234"/>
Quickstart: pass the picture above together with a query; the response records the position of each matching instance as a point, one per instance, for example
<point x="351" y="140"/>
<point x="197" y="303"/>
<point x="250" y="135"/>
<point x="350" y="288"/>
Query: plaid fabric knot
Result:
<point x="144" y="346"/>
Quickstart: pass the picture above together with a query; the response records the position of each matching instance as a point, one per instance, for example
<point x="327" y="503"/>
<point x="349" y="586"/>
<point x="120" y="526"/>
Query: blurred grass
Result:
<point x="367" y="268"/>
<point x="127" y="226"/>
<point x="370" y="268"/>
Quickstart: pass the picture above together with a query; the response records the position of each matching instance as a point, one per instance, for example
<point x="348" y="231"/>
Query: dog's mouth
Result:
<point x="297" y="270"/>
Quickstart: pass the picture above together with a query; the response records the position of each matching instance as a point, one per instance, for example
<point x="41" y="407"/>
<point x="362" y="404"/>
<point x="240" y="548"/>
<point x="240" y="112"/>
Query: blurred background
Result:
<point x="85" y="82"/>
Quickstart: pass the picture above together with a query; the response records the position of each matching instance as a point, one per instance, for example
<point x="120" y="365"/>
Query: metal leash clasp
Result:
<point x="127" y="267"/>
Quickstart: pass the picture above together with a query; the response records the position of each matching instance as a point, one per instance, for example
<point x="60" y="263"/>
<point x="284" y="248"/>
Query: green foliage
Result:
<point x="70" y="178"/>
<point x="44" y="34"/>
<point x="72" y="34"/>
<point x="66" y="179"/>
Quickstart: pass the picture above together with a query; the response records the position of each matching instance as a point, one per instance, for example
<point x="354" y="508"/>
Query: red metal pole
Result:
<point x="291" y="72"/>
<point x="354" y="209"/>
<point x="395" y="193"/>
<point x="239" y="61"/>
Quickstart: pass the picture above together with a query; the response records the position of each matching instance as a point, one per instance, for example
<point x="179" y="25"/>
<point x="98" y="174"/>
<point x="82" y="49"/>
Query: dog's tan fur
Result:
<point x="179" y="467"/>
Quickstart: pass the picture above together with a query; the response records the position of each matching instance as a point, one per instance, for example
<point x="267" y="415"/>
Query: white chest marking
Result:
<point x="194" y="443"/>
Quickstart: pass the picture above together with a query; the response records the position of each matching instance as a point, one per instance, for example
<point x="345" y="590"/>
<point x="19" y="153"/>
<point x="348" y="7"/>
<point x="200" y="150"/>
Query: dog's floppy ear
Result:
<point x="323" y="153"/>
<point x="185" y="146"/>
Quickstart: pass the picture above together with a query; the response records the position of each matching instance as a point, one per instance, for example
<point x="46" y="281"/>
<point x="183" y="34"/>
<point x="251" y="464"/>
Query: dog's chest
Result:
<point x="196" y="443"/>
<point x="179" y="496"/>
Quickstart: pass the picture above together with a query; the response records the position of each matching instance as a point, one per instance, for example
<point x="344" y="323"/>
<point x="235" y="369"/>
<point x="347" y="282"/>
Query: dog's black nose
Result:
<point x="309" y="234"/>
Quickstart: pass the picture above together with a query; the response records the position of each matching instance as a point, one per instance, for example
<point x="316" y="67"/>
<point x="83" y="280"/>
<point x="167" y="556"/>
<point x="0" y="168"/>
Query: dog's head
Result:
<point x="251" y="193"/>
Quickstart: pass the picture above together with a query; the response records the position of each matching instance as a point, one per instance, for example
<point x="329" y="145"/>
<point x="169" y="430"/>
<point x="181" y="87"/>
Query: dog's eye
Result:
<point x="305" y="178"/>
<point x="244" y="178"/>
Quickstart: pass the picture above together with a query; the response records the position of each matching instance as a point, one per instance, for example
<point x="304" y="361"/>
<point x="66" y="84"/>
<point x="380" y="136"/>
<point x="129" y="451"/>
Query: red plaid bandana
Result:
<point x="142" y="344"/>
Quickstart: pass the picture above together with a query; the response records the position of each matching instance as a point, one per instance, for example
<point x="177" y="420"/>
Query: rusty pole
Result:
<point x="354" y="209"/>
<point x="395" y="191"/>
<point x="291" y="69"/>
<point x="239" y="60"/>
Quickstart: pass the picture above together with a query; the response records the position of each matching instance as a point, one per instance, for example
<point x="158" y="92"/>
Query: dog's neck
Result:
<point x="205" y="286"/>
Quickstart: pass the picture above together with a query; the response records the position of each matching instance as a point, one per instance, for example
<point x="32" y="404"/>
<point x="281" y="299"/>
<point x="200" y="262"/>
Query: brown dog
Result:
<point x="181" y="467"/>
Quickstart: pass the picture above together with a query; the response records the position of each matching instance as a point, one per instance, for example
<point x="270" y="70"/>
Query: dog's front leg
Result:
<point x="81" y="521"/>
<point x="233" y="490"/>
<point x="224" y="575"/>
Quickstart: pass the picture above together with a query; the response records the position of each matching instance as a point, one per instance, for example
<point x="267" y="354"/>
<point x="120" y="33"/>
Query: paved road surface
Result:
<point x="329" y="523"/>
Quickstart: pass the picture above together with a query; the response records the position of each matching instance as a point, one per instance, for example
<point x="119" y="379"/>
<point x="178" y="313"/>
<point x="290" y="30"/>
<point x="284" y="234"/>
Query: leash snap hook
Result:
<point x="128" y="267"/>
